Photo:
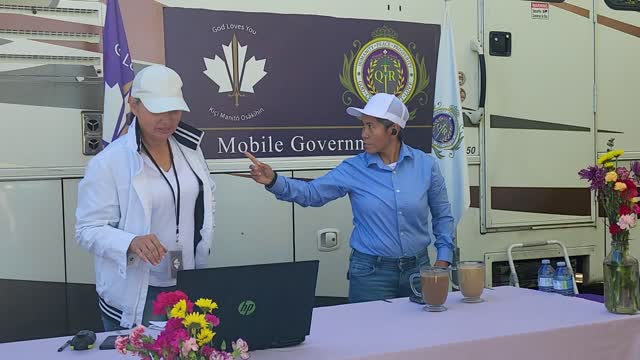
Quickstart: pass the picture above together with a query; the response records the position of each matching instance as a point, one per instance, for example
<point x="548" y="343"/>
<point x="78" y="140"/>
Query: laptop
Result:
<point x="267" y="305"/>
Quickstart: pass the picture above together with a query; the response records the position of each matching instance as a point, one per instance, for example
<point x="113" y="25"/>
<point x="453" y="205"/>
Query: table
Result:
<point x="512" y="322"/>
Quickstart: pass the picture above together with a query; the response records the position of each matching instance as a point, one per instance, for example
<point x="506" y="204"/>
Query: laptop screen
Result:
<point x="267" y="305"/>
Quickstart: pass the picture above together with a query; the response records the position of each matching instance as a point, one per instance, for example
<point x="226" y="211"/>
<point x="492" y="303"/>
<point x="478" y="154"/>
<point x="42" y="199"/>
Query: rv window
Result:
<point x="624" y="4"/>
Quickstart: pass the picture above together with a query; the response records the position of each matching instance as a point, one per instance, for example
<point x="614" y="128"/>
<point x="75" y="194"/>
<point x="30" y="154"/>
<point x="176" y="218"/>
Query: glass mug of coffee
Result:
<point x="471" y="280"/>
<point x="435" y="286"/>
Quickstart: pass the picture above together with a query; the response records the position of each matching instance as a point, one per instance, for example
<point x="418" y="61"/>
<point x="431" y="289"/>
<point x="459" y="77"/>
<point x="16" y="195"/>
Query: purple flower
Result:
<point x="635" y="168"/>
<point x="623" y="173"/>
<point x="595" y="175"/>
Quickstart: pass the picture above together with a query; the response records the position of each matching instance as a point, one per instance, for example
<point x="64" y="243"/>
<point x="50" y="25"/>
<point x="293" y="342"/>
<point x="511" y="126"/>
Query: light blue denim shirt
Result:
<point x="389" y="206"/>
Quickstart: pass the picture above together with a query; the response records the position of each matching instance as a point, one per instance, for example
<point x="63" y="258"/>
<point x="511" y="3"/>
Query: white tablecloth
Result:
<point x="512" y="323"/>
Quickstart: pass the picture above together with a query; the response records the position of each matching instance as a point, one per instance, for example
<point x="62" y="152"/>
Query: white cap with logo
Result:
<point x="159" y="88"/>
<point x="383" y="106"/>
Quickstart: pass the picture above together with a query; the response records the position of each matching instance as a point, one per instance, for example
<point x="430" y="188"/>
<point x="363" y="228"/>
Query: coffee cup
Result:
<point x="434" y="281"/>
<point x="471" y="280"/>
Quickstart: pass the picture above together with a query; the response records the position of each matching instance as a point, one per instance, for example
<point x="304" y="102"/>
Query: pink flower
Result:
<point x="624" y="210"/>
<point x="138" y="330"/>
<point x="614" y="229"/>
<point x="166" y="342"/>
<point x="626" y="222"/>
<point x="173" y="324"/>
<point x="242" y="347"/>
<point x="630" y="191"/>
<point x="636" y="209"/>
<point x="189" y="306"/>
<point x="176" y="337"/>
<point x="155" y="346"/>
<point x="135" y="336"/>
<point x="169" y="341"/>
<point x="220" y="355"/>
<point x="212" y="319"/>
<point x="168" y="299"/>
<point x="121" y="344"/>
<point x="206" y="351"/>
<point x="188" y="346"/>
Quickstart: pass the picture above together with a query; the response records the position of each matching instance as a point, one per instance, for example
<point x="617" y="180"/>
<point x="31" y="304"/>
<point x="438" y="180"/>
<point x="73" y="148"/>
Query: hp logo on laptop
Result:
<point x="247" y="307"/>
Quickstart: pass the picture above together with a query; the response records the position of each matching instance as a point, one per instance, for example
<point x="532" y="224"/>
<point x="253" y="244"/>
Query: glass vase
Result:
<point x="621" y="279"/>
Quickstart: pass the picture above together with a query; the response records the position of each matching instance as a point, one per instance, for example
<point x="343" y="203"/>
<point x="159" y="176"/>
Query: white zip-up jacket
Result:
<point x="114" y="206"/>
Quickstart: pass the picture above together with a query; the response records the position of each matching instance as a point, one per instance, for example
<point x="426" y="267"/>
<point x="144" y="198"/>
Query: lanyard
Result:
<point x="176" y="200"/>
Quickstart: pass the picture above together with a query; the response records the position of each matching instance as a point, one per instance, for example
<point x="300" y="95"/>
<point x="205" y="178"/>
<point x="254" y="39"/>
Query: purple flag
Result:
<point x="118" y="73"/>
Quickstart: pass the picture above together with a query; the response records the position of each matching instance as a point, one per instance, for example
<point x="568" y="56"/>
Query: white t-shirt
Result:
<point x="393" y="165"/>
<point x="163" y="213"/>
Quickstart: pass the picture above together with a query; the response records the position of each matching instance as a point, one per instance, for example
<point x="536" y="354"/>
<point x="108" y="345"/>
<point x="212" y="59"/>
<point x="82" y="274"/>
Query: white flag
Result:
<point x="448" y="145"/>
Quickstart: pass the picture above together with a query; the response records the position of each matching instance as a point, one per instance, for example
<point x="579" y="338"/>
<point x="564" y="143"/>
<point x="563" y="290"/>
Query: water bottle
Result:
<point x="563" y="280"/>
<point x="545" y="276"/>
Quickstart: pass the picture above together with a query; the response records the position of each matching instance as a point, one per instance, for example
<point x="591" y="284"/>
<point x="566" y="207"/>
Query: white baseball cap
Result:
<point x="383" y="106"/>
<point x="159" y="88"/>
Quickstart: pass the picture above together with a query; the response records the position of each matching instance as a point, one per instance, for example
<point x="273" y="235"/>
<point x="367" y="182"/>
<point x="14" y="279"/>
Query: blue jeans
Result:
<point x="378" y="277"/>
<point x="152" y="293"/>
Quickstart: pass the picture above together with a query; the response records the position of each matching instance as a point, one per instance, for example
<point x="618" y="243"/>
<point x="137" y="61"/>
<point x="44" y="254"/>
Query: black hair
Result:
<point x="387" y="124"/>
<point x="138" y="132"/>
<point x="138" y="129"/>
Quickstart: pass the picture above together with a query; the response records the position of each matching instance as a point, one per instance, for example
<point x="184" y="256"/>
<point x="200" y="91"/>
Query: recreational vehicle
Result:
<point x="544" y="86"/>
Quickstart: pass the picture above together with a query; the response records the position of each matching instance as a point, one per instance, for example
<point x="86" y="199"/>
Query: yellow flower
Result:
<point x="602" y="158"/>
<point x="611" y="176"/>
<point x="206" y="305"/>
<point x="620" y="186"/>
<point x="609" y="155"/>
<point x="609" y="164"/>
<point x="635" y="200"/>
<point x="179" y="310"/>
<point x="205" y="336"/>
<point x="616" y="153"/>
<point x="195" y="319"/>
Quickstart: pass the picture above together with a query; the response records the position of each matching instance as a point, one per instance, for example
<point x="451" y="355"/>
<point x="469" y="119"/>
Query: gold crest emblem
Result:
<point x="385" y="65"/>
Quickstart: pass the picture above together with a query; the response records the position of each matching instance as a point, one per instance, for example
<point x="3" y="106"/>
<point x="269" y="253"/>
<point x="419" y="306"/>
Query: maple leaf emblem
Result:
<point x="234" y="73"/>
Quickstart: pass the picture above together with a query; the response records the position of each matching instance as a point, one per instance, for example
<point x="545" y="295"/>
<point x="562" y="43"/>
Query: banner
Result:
<point x="278" y="85"/>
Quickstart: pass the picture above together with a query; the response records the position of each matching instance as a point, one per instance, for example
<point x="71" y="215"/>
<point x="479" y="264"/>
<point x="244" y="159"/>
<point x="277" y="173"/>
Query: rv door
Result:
<point x="539" y="127"/>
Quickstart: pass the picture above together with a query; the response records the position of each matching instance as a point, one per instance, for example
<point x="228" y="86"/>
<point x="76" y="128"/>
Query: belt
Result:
<point x="391" y="260"/>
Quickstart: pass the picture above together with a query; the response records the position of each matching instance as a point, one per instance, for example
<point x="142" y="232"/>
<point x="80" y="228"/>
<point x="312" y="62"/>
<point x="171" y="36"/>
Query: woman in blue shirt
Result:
<point x="391" y="185"/>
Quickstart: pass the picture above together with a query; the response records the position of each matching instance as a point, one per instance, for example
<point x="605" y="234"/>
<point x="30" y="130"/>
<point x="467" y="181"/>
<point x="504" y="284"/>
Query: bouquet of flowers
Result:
<point x="187" y="335"/>
<point x="616" y="188"/>
<point x="617" y="191"/>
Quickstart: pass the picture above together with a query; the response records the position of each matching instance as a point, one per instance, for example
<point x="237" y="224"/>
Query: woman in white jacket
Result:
<point x="145" y="205"/>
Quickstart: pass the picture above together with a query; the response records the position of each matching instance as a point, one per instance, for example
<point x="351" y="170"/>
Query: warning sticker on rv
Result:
<point x="540" y="11"/>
